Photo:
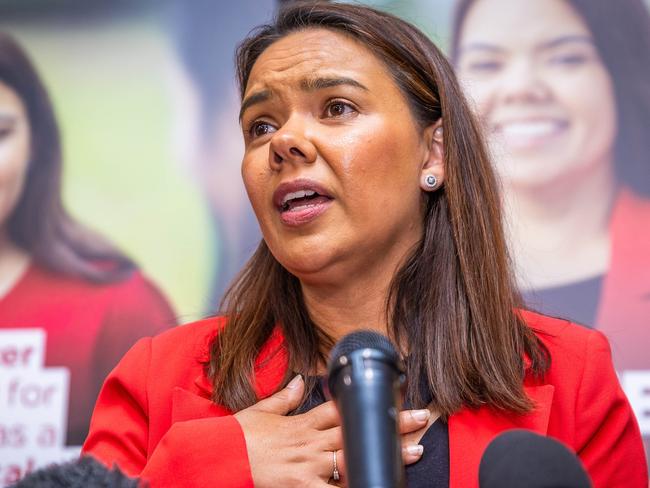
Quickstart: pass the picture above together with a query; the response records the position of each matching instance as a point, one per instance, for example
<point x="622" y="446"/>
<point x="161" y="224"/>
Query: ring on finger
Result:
<point x="335" y="468"/>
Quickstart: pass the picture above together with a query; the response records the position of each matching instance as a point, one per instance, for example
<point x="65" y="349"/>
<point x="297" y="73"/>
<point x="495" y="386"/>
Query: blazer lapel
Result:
<point x="187" y="405"/>
<point x="270" y="368"/>
<point x="471" y="430"/>
<point x="271" y="365"/>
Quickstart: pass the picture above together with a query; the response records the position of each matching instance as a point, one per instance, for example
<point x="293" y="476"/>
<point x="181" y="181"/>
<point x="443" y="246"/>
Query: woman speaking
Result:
<point x="378" y="209"/>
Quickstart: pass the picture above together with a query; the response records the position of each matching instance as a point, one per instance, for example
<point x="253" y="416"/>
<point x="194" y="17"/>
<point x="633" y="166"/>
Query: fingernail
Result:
<point x="415" y="449"/>
<point x="421" y="415"/>
<point x="295" y="382"/>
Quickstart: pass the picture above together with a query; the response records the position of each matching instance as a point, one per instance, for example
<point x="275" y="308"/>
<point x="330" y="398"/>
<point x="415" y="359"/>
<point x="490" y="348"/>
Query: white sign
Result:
<point x="636" y="385"/>
<point x="22" y="349"/>
<point x="33" y="406"/>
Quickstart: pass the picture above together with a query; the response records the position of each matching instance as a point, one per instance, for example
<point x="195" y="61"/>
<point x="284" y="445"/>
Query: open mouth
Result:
<point x="301" y="201"/>
<point x="296" y="201"/>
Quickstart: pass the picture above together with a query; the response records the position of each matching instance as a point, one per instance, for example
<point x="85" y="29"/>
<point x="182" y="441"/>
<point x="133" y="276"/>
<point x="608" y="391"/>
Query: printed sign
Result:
<point x="33" y="406"/>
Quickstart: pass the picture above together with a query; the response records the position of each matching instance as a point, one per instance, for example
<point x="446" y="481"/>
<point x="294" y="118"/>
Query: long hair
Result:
<point x="621" y="33"/>
<point x="453" y="303"/>
<point x="39" y="224"/>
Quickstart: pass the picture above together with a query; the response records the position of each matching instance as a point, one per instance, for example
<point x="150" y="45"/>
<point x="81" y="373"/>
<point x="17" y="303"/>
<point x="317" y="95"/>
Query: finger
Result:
<point x="412" y="420"/>
<point x="285" y="400"/>
<point x="324" y="416"/>
<point x="412" y="453"/>
<point x="340" y="465"/>
<point x="331" y="439"/>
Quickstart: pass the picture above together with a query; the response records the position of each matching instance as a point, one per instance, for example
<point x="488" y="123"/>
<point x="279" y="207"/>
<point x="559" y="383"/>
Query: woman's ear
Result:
<point x="432" y="174"/>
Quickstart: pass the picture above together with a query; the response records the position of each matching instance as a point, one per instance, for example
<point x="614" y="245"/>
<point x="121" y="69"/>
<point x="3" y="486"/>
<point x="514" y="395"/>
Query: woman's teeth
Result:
<point x="529" y="129"/>
<point x="297" y="194"/>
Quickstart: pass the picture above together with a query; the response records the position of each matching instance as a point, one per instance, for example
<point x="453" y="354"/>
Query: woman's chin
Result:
<point x="308" y="269"/>
<point x="314" y="268"/>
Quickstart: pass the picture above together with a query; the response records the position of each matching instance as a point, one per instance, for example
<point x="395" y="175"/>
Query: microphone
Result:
<point x="519" y="458"/>
<point x="365" y="378"/>
<point x="80" y="473"/>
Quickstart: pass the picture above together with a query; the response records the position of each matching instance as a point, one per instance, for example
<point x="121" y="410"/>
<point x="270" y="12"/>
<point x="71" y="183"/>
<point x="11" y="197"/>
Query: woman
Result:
<point x="54" y="274"/>
<point x="563" y="89"/>
<point x="379" y="210"/>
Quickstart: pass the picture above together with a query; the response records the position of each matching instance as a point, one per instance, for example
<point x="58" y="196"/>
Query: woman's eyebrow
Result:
<point x="257" y="97"/>
<point x="480" y="46"/>
<point x="320" y="83"/>
<point x="566" y="39"/>
<point x="306" y="84"/>
<point x="549" y="44"/>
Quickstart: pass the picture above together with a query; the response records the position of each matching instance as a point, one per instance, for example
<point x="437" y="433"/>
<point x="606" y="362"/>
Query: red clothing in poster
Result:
<point x="154" y="417"/>
<point x="624" y="306"/>
<point x="89" y="327"/>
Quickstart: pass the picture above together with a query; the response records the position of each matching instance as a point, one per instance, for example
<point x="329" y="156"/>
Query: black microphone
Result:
<point x="365" y="378"/>
<point x="519" y="458"/>
<point x="84" y="472"/>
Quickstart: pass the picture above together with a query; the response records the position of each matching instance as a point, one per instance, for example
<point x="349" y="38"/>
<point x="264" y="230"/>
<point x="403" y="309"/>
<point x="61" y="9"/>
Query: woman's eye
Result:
<point x="568" y="59"/>
<point x="484" y="66"/>
<point x="339" y="109"/>
<point x="260" y="128"/>
<point x="5" y="132"/>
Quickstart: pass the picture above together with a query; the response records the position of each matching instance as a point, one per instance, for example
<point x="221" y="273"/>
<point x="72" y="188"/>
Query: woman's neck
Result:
<point x="343" y="310"/>
<point x="559" y="235"/>
<point x="355" y="301"/>
<point x="351" y="293"/>
<point x="13" y="264"/>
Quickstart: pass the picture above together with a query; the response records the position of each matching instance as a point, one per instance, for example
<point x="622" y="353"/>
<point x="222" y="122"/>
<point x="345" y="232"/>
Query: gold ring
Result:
<point x="335" y="468"/>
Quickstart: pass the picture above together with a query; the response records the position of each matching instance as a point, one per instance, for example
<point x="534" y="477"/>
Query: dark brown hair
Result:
<point x="39" y="224"/>
<point x="453" y="302"/>
<point x="621" y="33"/>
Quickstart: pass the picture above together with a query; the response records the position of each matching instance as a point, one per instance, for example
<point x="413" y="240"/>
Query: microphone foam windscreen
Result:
<point x="363" y="339"/>
<point x="520" y="458"/>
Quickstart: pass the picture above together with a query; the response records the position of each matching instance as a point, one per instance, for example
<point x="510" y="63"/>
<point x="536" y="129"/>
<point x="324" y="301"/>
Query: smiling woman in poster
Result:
<point x="55" y="274"/>
<point x="563" y="90"/>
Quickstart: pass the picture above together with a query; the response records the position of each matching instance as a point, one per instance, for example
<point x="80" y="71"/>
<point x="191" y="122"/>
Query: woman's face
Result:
<point x="333" y="157"/>
<point x="14" y="150"/>
<point x="540" y="88"/>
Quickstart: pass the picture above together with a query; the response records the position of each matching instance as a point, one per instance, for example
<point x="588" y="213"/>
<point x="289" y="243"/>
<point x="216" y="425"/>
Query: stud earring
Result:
<point x="437" y="134"/>
<point x="430" y="181"/>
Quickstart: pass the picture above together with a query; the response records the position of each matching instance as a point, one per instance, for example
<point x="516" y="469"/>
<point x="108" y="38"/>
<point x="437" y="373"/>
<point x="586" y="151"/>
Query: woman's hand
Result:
<point x="297" y="450"/>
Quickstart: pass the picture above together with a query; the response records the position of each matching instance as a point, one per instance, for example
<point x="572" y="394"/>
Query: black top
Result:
<point x="432" y="470"/>
<point x="577" y="301"/>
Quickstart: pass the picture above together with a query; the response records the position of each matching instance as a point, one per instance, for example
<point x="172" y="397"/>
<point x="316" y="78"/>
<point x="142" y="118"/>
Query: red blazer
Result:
<point x="154" y="417"/>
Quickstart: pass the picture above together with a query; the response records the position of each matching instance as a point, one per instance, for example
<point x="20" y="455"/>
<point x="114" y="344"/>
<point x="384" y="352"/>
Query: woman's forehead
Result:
<point x="311" y="54"/>
<point x="530" y="22"/>
<point x="10" y="101"/>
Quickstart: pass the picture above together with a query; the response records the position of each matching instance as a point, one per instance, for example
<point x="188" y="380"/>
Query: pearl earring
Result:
<point x="430" y="181"/>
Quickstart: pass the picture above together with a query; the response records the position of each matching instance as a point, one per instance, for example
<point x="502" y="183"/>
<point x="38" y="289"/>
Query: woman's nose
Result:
<point x="291" y="144"/>
<point x="523" y="82"/>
